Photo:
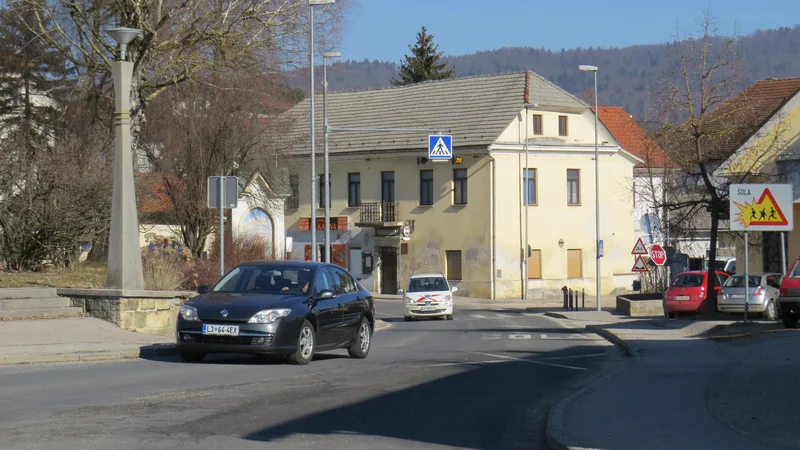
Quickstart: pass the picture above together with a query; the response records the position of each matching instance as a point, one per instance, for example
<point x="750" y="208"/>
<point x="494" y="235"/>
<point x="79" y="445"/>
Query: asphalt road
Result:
<point x="484" y="380"/>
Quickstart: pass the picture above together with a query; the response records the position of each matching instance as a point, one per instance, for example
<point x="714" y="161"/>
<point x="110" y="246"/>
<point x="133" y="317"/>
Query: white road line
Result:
<point x="581" y="337"/>
<point x="460" y="363"/>
<point x="519" y="336"/>
<point x="531" y="361"/>
<point x="478" y="316"/>
<point x="502" y="315"/>
<point x="574" y="357"/>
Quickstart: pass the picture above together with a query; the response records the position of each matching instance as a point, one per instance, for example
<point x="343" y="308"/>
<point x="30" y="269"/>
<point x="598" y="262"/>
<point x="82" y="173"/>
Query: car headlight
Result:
<point x="409" y="300"/>
<point x="447" y="299"/>
<point x="269" y="315"/>
<point x="189" y="312"/>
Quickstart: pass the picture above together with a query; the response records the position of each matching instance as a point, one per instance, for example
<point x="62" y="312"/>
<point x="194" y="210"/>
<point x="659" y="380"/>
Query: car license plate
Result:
<point x="681" y="297"/>
<point x="221" y="330"/>
<point x="427" y="308"/>
<point x="737" y="295"/>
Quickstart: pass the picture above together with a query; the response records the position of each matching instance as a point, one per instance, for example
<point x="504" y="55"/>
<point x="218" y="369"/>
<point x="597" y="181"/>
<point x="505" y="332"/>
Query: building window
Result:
<point x="294" y="187"/>
<point x="574" y="263"/>
<point x="460" y="186"/>
<point x="537" y="124"/>
<point x="535" y="264"/>
<point x="426" y="187"/>
<point x="529" y="186"/>
<point x="321" y="183"/>
<point x="353" y="189"/>
<point x="573" y="187"/>
<point x="387" y="187"/>
<point x="562" y="126"/>
<point x="453" y="264"/>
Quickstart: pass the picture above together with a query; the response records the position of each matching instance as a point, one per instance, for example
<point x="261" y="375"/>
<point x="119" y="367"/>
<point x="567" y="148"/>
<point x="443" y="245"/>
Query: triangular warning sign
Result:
<point x="639" y="265"/>
<point x="440" y="149"/>
<point x="764" y="212"/>
<point x="639" y="248"/>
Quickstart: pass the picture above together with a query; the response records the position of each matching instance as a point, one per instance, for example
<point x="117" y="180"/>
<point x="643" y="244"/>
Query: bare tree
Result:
<point x="199" y="131"/>
<point x="701" y="123"/>
<point x="181" y="39"/>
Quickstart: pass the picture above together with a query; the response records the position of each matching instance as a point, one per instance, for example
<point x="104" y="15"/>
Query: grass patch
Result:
<point x="741" y="330"/>
<point x="89" y="274"/>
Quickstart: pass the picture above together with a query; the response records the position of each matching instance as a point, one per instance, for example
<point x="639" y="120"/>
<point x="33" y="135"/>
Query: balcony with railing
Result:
<point x="379" y="214"/>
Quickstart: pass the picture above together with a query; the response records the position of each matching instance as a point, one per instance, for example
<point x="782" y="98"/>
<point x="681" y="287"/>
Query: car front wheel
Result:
<point x="305" y="345"/>
<point x="363" y="342"/>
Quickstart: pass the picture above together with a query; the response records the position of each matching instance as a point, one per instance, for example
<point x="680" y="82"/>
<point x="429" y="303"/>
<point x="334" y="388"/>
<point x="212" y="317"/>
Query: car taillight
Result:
<point x="759" y="291"/>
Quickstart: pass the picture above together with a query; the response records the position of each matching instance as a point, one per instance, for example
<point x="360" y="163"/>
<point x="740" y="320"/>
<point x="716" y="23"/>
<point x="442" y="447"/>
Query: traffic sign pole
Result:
<point x="746" y="278"/>
<point x="222" y="225"/>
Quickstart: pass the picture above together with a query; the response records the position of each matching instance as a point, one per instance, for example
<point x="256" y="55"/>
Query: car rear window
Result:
<point x="737" y="281"/>
<point x="427" y="284"/>
<point x="795" y="271"/>
<point x="687" y="280"/>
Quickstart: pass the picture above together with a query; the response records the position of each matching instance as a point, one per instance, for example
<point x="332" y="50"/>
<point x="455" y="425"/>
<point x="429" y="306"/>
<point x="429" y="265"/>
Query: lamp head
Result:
<point x="584" y="68"/>
<point x="321" y="2"/>
<point x="123" y="35"/>
<point x="331" y="55"/>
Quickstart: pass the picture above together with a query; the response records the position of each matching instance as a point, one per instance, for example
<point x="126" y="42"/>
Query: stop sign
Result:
<point x="658" y="255"/>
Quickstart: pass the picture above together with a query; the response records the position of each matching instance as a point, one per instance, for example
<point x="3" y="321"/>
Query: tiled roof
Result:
<point x="632" y="137"/>
<point x="153" y="196"/>
<point x="729" y="126"/>
<point x="474" y="110"/>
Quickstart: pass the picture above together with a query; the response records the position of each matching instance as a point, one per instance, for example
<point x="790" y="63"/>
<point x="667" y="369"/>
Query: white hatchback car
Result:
<point x="428" y="295"/>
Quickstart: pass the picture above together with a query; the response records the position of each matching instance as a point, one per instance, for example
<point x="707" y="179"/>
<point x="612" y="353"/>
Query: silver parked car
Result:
<point x="764" y="291"/>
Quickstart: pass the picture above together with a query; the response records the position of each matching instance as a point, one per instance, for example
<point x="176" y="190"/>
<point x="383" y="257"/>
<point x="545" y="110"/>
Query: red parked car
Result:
<point x="789" y="300"/>
<point x="687" y="293"/>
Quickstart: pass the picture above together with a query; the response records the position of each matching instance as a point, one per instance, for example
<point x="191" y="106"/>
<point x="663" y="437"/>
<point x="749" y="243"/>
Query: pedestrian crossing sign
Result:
<point x="440" y="147"/>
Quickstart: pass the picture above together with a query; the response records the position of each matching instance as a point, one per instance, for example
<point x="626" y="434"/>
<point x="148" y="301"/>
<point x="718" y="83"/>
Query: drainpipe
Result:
<point x="493" y="226"/>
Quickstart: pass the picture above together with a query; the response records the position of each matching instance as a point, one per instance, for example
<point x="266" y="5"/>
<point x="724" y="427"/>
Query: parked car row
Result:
<point x="771" y="295"/>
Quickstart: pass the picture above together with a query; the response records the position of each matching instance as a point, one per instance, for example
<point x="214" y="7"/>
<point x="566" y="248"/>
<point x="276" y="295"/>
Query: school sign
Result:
<point x="761" y="207"/>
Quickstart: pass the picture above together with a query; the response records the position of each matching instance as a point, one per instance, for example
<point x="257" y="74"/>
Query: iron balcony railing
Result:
<point x="379" y="213"/>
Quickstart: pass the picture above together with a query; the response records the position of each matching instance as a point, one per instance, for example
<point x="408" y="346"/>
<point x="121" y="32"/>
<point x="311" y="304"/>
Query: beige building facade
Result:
<point x="394" y="213"/>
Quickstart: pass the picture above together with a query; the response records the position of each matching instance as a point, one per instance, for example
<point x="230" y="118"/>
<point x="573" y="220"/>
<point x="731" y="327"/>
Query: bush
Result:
<point x="164" y="270"/>
<point x="243" y="249"/>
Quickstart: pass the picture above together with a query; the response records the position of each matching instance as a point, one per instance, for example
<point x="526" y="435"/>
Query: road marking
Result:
<point x="478" y="316"/>
<point x="582" y="337"/>
<point x="574" y="357"/>
<point x="491" y="336"/>
<point x="502" y="315"/>
<point x="532" y="361"/>
<point x="519" y="336"/>
<point x="464" y="363"/>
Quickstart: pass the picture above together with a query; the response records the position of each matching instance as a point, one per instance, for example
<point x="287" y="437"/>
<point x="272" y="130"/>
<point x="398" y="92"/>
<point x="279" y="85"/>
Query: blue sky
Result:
<point x="383" y="29"/>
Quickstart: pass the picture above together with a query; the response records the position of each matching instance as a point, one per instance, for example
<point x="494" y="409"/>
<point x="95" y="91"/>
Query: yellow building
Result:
<point x="767" y="150"/>
<point x="464" y="217"/>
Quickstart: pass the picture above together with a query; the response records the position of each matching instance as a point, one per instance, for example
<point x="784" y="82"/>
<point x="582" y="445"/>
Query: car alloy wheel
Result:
<point x="305" y="345"/>
<point x="770" y="312"/>
<point x="361" y="346"/>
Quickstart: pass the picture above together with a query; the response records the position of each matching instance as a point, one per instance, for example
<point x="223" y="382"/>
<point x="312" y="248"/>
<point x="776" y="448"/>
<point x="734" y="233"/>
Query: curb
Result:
<point x="627" y="347"/>
<point x="381" y="325"/>
<point x="150" y="351"/>
<point x="555" y="432"/>
<point x="554" y="315"/>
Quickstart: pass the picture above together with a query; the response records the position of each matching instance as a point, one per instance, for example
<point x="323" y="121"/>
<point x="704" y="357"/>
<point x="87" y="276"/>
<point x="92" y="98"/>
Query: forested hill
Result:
<point x="624" y="76"/>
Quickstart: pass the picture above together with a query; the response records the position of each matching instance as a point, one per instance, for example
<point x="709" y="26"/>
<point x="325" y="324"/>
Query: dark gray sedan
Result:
<point x="291" y="308"/>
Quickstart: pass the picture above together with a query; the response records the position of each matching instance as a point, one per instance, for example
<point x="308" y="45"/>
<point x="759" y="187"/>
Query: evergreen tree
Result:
<point x="31" y="74"/>
<point x="422" y="64"/>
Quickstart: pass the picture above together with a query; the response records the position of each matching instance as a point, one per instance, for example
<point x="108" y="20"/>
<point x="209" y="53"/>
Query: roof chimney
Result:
<point x="527" y="94"/>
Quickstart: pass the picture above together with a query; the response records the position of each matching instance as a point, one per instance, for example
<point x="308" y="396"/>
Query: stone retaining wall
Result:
<point x="640" y="305"/>
<point x="150" y="312"/>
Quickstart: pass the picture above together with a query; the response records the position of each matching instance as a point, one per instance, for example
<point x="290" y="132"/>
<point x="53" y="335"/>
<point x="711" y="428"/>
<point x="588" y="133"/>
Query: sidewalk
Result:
<point x="80" y="339"/>
<point x="607" y="302"/>
<point x="680" y="390"/>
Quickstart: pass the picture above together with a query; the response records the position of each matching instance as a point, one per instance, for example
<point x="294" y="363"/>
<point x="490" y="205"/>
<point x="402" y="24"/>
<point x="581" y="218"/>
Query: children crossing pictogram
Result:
<point x="764" y="211"/>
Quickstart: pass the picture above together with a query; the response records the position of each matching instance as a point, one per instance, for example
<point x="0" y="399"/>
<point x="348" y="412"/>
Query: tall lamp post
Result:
<point x="124" y="255"/>
<point x="584" y="68"/>
<point x="311" y="5"/>
<point x="327" y="176"/>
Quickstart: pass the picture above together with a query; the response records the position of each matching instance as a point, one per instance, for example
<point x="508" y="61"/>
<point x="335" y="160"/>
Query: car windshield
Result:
<point x="737" y="281"/>
<point x="688" y="280"/>
<point x="427" y="284"/>
<point x="795" y="272"/>
<point x="266" y="279"/>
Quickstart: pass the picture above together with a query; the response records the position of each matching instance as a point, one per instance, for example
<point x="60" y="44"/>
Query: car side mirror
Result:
<point x="204" y="289"/>
<point x="400" y="292"/>
<point x="325" y="294"/>
<point x="455" y="288"/>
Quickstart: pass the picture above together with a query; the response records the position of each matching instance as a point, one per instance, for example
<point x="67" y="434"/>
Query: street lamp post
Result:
<point x="584" y="68"/>
<point x="124" y="254"/>
<point x="327" y="176"/>
<point x="313" y="227"/>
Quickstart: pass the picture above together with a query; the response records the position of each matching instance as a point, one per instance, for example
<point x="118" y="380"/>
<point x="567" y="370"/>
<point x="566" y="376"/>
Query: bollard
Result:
<point x="583" y="298"/>
<point x="570" y="300"/>
<point x="564" y="290"/>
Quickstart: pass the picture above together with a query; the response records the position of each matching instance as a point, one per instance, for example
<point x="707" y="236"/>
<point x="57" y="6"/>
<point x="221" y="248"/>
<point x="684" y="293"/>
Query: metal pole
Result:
<point x="313" y="226"/>
<point x="222" y="224"/>
<point x="525" y="202"/>
<point x="746" y="278"/>
<point x="783" y="252"/>
<point x="597" y="194"/>
<point x="327" y="179"/>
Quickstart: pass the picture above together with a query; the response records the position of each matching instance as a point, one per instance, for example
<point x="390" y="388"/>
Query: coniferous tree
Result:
<point x="31" y="76"/>
<point x="423" y="62"/>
